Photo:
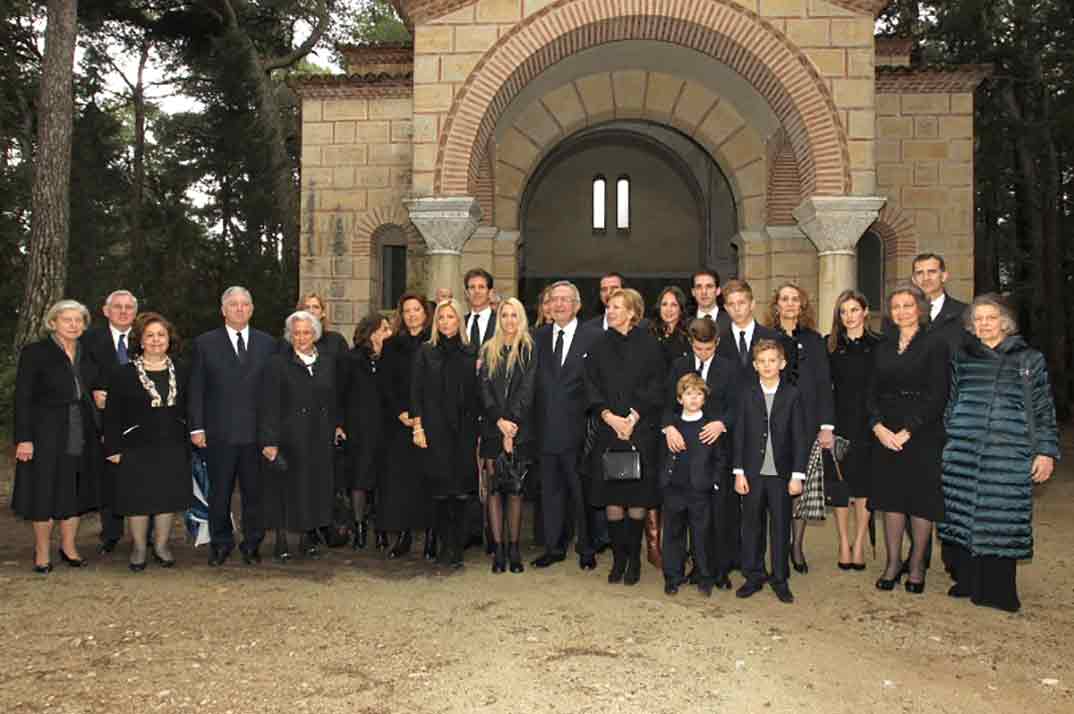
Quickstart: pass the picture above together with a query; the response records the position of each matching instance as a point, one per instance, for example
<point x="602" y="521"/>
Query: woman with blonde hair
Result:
<point x="790" y="313"/>
<point x="331" y="342"/>
<point x="445" y="403"/>
<point x="508" y="375"/>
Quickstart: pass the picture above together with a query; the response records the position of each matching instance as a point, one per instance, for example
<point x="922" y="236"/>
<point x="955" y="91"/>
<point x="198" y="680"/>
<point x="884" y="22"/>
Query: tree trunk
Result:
<point x="51" y="185"/>
<point x="139" y="253"/>
<point x="1053" y="258"/>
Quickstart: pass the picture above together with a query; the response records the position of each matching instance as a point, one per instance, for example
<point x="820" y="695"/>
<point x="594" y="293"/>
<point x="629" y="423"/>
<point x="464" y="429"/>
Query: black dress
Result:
<point x="444" y="392"/>
<point x="625" y="372"/>
<point x="510" y="399"/>
<point x="909" y="390"/>
<point x="298" y="413"/>
<point x="852" y="367"/>
<point x="366" y="419"/>
<point x="54" y="411"/>
<point x="403" y="498"/>
<point x="673" y="346"/>
<point x="153" y="475"/>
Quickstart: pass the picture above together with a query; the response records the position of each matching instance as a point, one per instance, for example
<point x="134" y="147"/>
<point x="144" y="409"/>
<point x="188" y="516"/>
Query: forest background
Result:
<point x="154" y="145"/>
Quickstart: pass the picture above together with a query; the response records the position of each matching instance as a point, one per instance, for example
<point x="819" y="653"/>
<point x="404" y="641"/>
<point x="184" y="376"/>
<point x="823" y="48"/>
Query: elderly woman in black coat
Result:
<point x="365" y="414"/>
<point x="624" y="379"/>
<point x="445" y="404"/>
<point x="508" y="377"/>
<point x="57" y="450"/>
<point x="298" y="422"/>
<point x="146" y="435"/>
<point x="791" y="314"/>
<point x="1001" y="440"/>
<point x="403" y="503"/>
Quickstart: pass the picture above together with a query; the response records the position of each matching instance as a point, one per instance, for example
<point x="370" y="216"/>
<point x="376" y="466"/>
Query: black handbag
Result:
<point x="509" y="472"/>
<point x="621" y="465"/>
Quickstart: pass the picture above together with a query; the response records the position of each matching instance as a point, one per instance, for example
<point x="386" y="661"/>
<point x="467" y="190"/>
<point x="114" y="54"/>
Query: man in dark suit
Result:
<point x="706" y="290"/>
<point x="225" y="379"/>
<point x="929" y="273"/>
<point x="721" y="377"/>
<point x="560" y="410"/>
<point x="108" y="348"/>
<point x="770" y="451"/>
<point x="480" y="322"/>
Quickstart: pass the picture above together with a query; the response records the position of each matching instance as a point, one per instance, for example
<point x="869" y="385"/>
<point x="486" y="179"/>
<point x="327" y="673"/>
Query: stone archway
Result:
<point x="722" y="29"/>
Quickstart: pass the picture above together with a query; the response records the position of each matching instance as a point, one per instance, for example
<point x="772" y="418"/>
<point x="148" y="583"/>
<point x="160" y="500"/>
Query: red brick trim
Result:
<point x="931" y="80"/>
<point x="351" y="86"/>
<point x="891" y="46"/>
<point x="719" y="28"/>
<point x="784" y="188"/>
<point x="899" y="234"/>
<point x="368" y="224"/>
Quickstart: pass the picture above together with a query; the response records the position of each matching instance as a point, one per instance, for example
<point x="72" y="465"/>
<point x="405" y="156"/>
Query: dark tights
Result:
<point x="920" y="530"/>
<point x="359" y="498"/>
<point x="514" y="516"/>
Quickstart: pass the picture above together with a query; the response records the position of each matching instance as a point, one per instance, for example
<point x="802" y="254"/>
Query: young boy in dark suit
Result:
<point x="687" y="481"/>
<point x="770" y="453"/>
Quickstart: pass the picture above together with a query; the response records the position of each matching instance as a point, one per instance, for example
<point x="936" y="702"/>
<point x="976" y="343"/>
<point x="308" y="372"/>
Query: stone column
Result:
<point x="446" y="223"/>
<point x="834" y="224"/>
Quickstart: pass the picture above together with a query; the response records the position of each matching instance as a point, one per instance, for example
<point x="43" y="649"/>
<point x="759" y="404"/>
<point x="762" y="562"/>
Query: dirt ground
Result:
<point x="359" y="634"/>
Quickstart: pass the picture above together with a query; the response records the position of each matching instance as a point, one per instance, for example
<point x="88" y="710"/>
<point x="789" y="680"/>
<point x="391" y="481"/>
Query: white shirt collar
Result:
<point x="568" y="329"/>
<point x="116" y="333"/>
<point x="937" y="305"/>
<point x="232" y="333"/>
<point x="484" y="313"/>
<point x="713" y="313"/>
<point x="766" y="390"/>
<point x="692" y="417"/>
<point x="735" y="329"/>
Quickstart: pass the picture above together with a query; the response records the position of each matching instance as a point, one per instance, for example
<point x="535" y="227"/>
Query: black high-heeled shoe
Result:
<point x="499" y="558"/>
<point x="73" y="562"/>
<point x="136" y="567"/>
<point x="401" y="547"/>
<point x="162" y="561"/>
<point x="915" y="588"/>
<point x="515" y="558"/>
<point x="43" y="569"/>
<point x="845" y="566"/>
<point x="802" y="567"/>
<point x="886" y="584"/>
<point x="429" y="549"/>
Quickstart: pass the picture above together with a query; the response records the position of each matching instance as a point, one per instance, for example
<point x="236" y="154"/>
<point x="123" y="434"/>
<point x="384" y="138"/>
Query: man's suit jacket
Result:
<point x="728" y="348"/>
<point x="790" y="443"/>
<point x="720" y="404"/>
<point x="490" y="329"/>
<point x="97" y="342"/>
<point x="723" y="320"/>
<point x="223" y="394"/>
<point x="560" y="397"/>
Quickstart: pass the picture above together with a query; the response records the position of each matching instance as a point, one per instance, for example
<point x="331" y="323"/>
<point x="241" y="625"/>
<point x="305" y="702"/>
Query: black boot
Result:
<point x="444" y="532"/>
<point x="429" y="551"/>
<point x="281" y="552"/>
<point x="515" y="557"/>
<point x="401" y="547"/>
<point x="499" y="558"/>
<point x="634" y="530"/>
<point x="382" y="540"/>
<point x="619" y="555"/>
<point x="309" y="545"/>
<point x="361" y="535"/>
<point x="459" y="513"/>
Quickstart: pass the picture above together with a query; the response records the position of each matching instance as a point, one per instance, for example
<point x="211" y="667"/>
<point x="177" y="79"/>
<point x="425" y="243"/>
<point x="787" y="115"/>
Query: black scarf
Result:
<point x="452" y="379"/>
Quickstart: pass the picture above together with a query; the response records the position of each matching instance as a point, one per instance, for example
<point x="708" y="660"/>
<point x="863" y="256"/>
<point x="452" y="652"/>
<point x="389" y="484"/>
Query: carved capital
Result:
<point x="446" y="223"/>
<point x="835" y="223"/>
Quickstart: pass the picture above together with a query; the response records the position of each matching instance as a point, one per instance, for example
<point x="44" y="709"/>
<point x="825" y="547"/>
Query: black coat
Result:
<point x="451" y="457"/>
<point x="102" y="352"/>
<point x="153" y="475"/>
<point x="298" y="413"/>
<point x="673" y="346"/>
<point x="510" y="398"/>
<point x="560" y="398"/>
<point x="790" y="441"/>
<point x="809" y="370"/>
<point x="852" y="366"/>
<point x="366" y="415"/>
<point x="46" y="486"/>
<point x="223" y="395"/>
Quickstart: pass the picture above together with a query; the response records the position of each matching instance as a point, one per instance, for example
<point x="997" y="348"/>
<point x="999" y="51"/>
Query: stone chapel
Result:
<point x="773" y="140"/>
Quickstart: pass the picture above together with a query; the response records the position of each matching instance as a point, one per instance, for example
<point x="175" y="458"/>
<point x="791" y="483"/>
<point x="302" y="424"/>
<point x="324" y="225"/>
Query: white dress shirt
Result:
<point x="735" y="329"/>
<point x="115" y="337"/>
<point x="568" y="336"/>
<point x="482" y="318"/>
<point x="703" y="367"/>
<point x="936" y="306"/>
<point x="714" y="313"/>
<point x="233" y="334"/>
<point x="796" y="475"/>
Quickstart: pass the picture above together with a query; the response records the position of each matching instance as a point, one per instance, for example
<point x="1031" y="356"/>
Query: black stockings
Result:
<point x="920" y="530"/>
<point x="359" y="498"/>
<point x="514" y="516"/>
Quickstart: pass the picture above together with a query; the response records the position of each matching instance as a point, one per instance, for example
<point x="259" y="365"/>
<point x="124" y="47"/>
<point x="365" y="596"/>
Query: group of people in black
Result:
<point x="708" y="436"/>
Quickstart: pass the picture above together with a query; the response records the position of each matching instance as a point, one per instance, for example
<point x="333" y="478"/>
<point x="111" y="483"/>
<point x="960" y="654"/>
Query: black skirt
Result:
<point x="643" y="493"/>
<point x="403" y="500"/>
<point x="153" y="480"/>
<point x="71" y="489"/>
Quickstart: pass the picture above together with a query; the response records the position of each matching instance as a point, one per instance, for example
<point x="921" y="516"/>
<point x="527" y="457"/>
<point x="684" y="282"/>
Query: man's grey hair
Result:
<point x="567" y="284"/>
<point x="119" y="293"/>
<point x="236" y="289"/>
<point x="301" y="315"/>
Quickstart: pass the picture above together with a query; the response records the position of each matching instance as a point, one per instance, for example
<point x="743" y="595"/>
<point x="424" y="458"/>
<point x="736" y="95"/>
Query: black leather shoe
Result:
<point x="845" y="566"/>
<point x="136" y="567"/>
<point x="163" y="562"/>
<point x="587" y="562"/>
<point x="401" y="547"/>
<point x="382" y="540"/>
<point x="218" y="555"/>
<point x="499" y="558"/>
<point x="749" y="589"/>
<point x="107" y="545"/>
<point x="671" y="587"/>
<point x="915" y="588"/>
<point x="633" y="571"/>
<point x="783" y="593"/>
<point x="73" y="562"/>
<point x="802" y="567"/>
<point x="548" y="559"/>
<point x="429" y="550"/>
<point x="43" y="569"/>
<point x="514" y="558"/>
<point x="251" y="556"/>
<point x="723" y="582"/>
<point x="857" y="566"/>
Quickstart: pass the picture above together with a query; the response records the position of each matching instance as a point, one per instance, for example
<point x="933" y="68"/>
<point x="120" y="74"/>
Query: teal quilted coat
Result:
<point x="988" y="495"/>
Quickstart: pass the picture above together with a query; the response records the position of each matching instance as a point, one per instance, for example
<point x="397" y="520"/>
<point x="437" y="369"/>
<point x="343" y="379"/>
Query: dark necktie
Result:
<point x="240" y="348"/>
<point x="557" y="351"/>
<point x="700" y="369"/>
<point x="743" y="348"/>
<point x="121" y="350"/>
<point x="475" y="331"/>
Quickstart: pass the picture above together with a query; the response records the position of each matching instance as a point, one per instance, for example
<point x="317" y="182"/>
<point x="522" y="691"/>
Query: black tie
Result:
<point x="557" y="351"/>
<point x="701" y="369"/>
<point x="475" y="332"/>
<point x="240" y="348"/>
<point x="743" y="349"/>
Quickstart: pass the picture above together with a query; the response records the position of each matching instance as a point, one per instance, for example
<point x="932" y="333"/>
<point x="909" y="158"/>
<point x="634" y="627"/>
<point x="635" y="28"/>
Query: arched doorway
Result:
<point x="629" y="196"/>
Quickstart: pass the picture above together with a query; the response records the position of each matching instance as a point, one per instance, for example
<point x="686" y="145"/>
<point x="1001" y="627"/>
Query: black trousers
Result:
<point x="685" y="508"/>
<point x="111" y="524"/>
<point x="226" y="463"/>
<point x="726" y="532"/>
<point x="766" y="510"/>
<point x="561" y="494"/>
<point x="987" y="580"/>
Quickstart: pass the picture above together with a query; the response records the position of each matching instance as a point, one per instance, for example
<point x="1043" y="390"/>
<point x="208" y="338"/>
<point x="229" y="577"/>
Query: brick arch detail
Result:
<point x="730" y="33"/>
<point x="784" y="188"/>
<point x="369" y="225"/>
<point x="899" y="235"/>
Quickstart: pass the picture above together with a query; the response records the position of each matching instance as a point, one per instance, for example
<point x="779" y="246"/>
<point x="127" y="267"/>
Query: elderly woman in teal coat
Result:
<point x="1002" y="439"/>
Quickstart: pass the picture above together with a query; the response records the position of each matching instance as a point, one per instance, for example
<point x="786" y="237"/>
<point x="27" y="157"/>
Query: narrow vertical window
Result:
<point x="622" y="203"/>
<point x="599" y="191"/>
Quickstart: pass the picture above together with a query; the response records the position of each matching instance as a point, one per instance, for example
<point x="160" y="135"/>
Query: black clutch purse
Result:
<point x="509" y="471"/>
<point x="621" y="465"/>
